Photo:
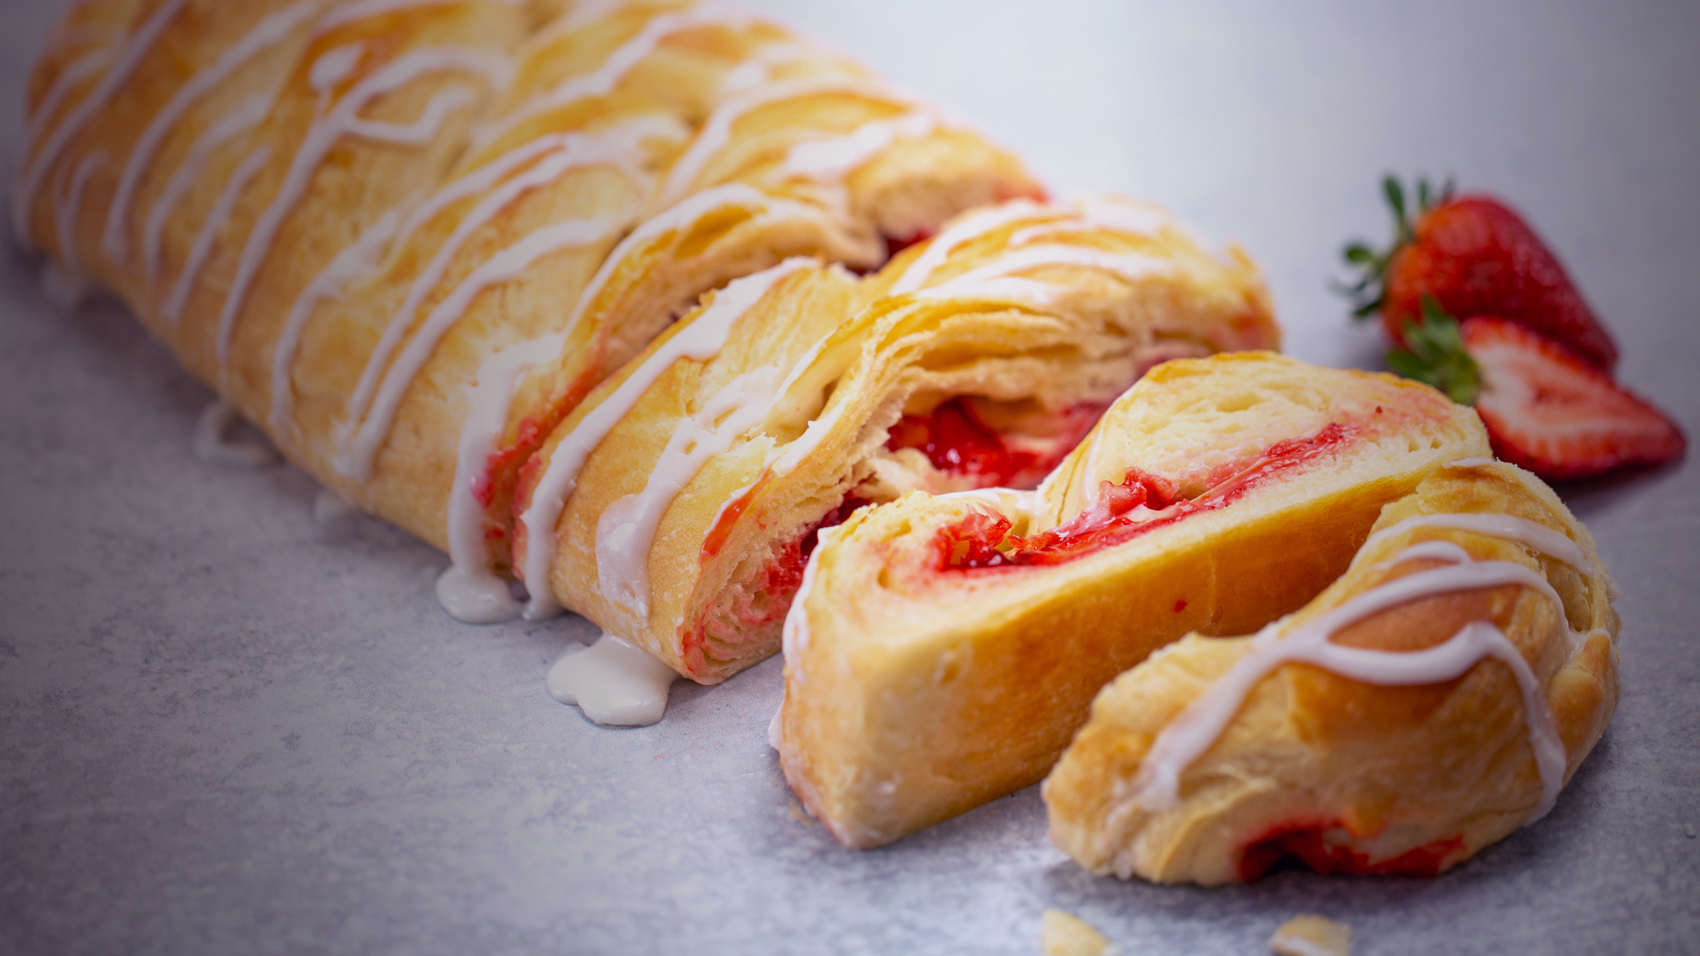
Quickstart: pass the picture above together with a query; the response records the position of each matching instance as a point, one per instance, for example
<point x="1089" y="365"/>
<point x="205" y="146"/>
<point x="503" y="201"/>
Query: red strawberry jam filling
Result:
<point x="1140" y="504"/>
<point x="956" y="440"/>
<point x="1307" y="844"/>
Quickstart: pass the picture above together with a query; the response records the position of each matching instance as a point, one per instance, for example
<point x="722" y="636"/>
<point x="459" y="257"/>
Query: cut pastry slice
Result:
<point x="823" y="165"/>
<point x="1432" y="700"/>
<point x="944" y="649"/>
<point x="677" y="505"/>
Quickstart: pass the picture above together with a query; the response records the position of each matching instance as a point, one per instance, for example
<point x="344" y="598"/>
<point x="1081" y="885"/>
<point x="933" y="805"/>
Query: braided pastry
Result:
<point x="416" y="240"/>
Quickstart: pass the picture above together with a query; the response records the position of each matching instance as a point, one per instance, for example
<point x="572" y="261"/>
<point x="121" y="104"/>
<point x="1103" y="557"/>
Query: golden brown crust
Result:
<point x="238" y="238"/>
<point x="1345" y="775"/>
<point x="728" y="554"/>
<point x="917" y="688"/>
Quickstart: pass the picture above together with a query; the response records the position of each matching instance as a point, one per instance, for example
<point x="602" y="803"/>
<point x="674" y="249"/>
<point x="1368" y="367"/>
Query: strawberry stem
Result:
<point x="1437" y="356"/>
<point x="1369" y="292"/>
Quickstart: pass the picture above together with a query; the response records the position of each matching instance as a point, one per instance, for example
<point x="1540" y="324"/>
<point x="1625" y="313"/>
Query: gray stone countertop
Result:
<point x="228" y="728"/>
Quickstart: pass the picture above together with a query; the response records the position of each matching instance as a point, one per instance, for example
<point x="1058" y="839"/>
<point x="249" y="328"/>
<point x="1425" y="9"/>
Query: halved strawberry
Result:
<point x="1545" y="409"/>
<point x="1475" y="256"/>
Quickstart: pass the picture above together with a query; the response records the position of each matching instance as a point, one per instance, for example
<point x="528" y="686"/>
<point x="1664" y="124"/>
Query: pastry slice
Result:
<point x="944" y="650"/>
<point x="1428" y="703"/>
<point x="677" y="505"/>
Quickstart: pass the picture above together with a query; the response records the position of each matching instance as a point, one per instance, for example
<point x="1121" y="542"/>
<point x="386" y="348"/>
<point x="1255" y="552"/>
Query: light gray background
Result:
<point x="225" y="728"/>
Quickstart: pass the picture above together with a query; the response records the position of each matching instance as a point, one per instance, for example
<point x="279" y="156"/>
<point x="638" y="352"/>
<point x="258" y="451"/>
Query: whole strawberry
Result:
<point x="1475" y="256"/>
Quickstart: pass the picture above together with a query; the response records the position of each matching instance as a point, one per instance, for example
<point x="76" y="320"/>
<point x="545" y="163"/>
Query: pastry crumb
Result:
<point x="1061" y="933"/>
<point x="1308" y="935"/>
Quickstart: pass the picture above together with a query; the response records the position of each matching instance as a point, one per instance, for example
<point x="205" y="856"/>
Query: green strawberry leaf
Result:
<point x="1437" y="356"/>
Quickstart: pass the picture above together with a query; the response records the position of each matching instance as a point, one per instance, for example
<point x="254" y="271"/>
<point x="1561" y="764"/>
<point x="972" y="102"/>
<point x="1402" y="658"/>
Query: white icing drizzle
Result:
<point x="1472" y="462"/>
<point x="364" y="255"/>
<point x="269" y="32"/>
<point x="622" y="60"/>
<point x="1197" y="727"/>
<point x="70" y="205"/>
<point x="964" y="230"/>
<point x="585" y="12"/>
<point x="358" y="258"/>
<point x="421" y="130"/>
<point x="700" y="340"/>
<point x="574" y="152"/>
<point x="213" y="444"/>
<point x="758" y="67"/>
<point x="1553" y="544"/>
<point x="77" y="71"/>
<point x="1099" y="212"/>
<point x="1127" y="266"/>
<point x="361" y="441"/>
<point x="1005" y="289"/>
<point x="468" y="590"/>
<point x="677" y="217"/>
<point x="811" y="438"/>
<point x="832" y="160"/>
<point x="245" y="117"/>
<point x="323" y="135"/>
<point x="613" y="682"/>
<point x="35" y="169"/>
<point x="717" y="129"/>
<point x="251" y="166"/>
<point x="625" y="532"/>
<point x="333" y="66"/>
<point x="345" y="13"/>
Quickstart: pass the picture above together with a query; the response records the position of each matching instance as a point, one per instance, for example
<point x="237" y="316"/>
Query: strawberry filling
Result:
<point x="769" y="597"/>
<point x="1307" y="844"/>
<point x="957" y="441"/>
<point x="1140" y="504"/>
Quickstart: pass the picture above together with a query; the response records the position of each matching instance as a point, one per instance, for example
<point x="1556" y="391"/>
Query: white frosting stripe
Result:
<point x="612" y="682"/>
<point x="678" y="217"/>
<point x="356" y="259"/>
<point x="244" y="174"/>
<point x="1127" y="266"/>
<point x="268" y="32"/>
<point x="468" y="590"/>
<point x="1553" y="544"/>
<point x="563" y="151"/>
<point x="717" y="129"/>
<point x="321" y="137"/>
<point x="1198" y="726"/>
<point x="573" y="153"/>
<point x="345" y="13"/>
<point x="70" y="205"/>
<point x="625" y="533"/>
<point x="701" y="340"/>
<point x="365" y="438"/>
<point x="34" y="170"/>
<point x="831" y="160"/>
<point x="76" y="72"/>
<point x="250" y="114"/>
<point x="966" y="230"/>
<point x="1099" y="212"/>
<point x="614" y="68"/>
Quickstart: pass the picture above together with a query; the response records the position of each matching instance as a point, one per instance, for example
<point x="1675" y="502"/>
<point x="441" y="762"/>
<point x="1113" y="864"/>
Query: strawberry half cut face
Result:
<point x="1550" y="412"/>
